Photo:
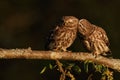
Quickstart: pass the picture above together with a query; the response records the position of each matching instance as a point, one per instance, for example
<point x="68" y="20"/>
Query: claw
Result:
<point x="95" y="54"/>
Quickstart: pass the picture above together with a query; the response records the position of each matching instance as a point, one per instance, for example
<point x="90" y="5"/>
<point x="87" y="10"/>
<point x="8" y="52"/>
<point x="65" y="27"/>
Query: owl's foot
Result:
<point x="68" y="51"/>
<point x="107" y="54"/>
<point x="95" y="54"/>
<point x="65" y="50"/>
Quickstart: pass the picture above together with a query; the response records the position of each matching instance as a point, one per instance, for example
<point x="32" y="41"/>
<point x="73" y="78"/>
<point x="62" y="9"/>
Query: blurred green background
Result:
<point x="26" y="23"/>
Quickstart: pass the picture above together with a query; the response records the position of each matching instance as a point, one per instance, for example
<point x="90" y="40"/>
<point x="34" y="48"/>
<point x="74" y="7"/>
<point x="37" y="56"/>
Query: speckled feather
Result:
<point x="63" y="36"/>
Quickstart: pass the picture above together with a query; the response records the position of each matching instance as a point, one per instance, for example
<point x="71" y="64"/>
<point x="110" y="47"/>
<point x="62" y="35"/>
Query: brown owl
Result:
<point x="94" y="37"/>
<point x="63" y="36"/>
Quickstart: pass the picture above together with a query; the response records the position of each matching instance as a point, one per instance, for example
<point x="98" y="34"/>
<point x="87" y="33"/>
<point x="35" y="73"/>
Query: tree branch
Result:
<point x="50" y="55"/>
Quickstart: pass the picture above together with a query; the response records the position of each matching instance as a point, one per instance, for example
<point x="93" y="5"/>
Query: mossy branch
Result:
<point x="51" y="55"/>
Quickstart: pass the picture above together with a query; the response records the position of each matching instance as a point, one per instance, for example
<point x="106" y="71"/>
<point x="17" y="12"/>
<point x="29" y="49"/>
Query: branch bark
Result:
<point x="50" y="55"/>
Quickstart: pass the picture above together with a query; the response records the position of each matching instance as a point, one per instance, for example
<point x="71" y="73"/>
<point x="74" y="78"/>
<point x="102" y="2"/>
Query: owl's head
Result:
<point x="84" y="27"/>
<point x="70" y="21"/>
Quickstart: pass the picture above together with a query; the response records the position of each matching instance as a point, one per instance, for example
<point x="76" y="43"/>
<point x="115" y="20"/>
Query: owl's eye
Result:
<point x="69" y="21"/>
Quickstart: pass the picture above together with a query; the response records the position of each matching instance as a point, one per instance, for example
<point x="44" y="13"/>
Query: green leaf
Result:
<point x="98" y="68"/>
<point x="77" y="69"/>
<point x="43" y="70"/>
<point x="50" y="66"/>
<point x="86" y="63"/>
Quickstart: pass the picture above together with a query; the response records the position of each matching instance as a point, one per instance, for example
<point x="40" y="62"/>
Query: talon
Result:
<point x="69" y="51"/>
<point x="95" y="54"/>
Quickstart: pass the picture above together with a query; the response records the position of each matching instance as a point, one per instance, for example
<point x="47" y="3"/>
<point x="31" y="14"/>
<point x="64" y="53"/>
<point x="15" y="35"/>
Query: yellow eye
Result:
<point x="69" y="21"/>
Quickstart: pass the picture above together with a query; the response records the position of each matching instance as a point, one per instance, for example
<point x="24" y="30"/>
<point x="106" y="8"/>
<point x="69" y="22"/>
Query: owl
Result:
<point x="94" y="38"/>
<point x="63" y="35"/>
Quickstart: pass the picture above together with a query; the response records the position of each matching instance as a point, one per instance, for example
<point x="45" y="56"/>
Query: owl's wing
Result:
<point x="51" y="39"/>
<point x="104" y="36"/>
<point x="58" y="33"/>
<point x="52" y="33"/>
<point x="54" y="37"/>
<point x="106" y="40"/>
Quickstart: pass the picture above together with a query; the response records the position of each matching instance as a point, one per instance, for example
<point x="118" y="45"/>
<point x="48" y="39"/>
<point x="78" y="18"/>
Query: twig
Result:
<point x="70" y="75"/>
<point x="62" y="77"/>
<point x="50" y="55"/>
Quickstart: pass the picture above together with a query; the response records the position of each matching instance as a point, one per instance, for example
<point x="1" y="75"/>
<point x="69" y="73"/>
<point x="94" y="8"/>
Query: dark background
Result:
<point x="26" y="23"/>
